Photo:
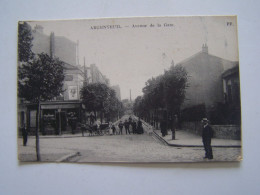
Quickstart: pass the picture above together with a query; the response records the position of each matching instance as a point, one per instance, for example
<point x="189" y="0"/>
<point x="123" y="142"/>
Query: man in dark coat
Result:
<point x="120" y="125"/>
<point x="140" y="129"/>
<point x="126" y="123"/>
<point x="207" y="134"/>
<point x="134" y="127"/>
<point x="163" y="126"/>
<point x="130" y="119"/>
<point x="114" y="129"/>
<point x="25" y="134"/>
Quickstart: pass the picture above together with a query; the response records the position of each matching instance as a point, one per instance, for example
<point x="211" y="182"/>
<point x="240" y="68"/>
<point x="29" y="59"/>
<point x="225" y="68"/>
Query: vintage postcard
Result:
<point x="130" y="90"/>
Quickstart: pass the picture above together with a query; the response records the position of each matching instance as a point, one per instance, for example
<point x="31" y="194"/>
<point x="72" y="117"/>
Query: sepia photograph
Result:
<point x="129" y="90"/>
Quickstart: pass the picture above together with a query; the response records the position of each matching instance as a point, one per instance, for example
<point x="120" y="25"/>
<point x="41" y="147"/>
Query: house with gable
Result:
<point x="209" y="89"/>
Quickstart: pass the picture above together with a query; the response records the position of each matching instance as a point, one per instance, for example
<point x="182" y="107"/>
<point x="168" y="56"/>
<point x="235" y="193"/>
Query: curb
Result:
<point x="183" y="145"/>
<point x="69" y="136"/>
<point x="67" y="157"/>
<point x="196" y="146"/>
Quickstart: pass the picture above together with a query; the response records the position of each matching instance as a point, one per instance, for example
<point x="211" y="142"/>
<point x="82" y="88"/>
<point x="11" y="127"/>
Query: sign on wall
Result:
<point x="73" y="92"/>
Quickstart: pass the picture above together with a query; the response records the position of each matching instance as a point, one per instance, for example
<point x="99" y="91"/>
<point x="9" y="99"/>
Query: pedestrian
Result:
<point x="114" y="129"/>
<point x="92" y="118"/>
<point x="91" y="129"/>
<point x="99" y="127"/>
<point x="130" y="119"/>
<point x="140" y="129"/>
<point x="110" y="128"/>
<point x="126" y="124"/>
<point x="130" y="127"/>
<point x="96" y="127"/>
<point x="163" y="126"/>
<point x="134" y="127"/>
<point x="120" y="125"/>
<point x="25" y="134"/>
<point x="207" y="134"/>
<point x="83" y="128"/>
<point x="73" y="125"/>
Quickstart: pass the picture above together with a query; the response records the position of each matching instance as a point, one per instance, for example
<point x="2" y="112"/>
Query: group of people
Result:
<point x="131" y="126"/>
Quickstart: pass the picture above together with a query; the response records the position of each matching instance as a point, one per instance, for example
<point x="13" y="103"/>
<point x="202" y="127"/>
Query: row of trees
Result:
<point x="162" y="95"/>
<point x="98" y="97"/>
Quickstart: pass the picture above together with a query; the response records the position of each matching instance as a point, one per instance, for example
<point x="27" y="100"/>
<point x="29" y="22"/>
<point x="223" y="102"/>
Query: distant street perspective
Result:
<point x="92" y="92"/>
<point x="123" y="148"/>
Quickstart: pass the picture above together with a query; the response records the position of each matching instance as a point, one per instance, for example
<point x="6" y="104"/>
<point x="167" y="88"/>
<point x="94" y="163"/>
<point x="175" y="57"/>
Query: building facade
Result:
<point x="60" y="114"/>
<point x="63" y="113"/>
<point x="205" y="78"/>
<point x="213" y="92"/>
<point x="206" y="93"/>
<point x="231" y="89"/>
<point x="55" y="46"/>
<point x="95" y="76"/>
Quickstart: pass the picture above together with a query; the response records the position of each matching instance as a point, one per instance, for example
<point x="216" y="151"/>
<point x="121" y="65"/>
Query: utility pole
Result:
<point x="85" y="74"/>
<point x="77" y="53"/>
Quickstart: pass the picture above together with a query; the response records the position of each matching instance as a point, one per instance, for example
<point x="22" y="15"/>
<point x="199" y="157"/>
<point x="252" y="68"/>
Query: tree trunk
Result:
<point x="95" y="113"/>
<point x="173" y="128"/>
<point x="37" y="133"/>
<point x="101" y="116"/>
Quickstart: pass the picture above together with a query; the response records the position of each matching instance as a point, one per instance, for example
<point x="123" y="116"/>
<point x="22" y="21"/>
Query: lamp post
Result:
<point x="59" y="111"/>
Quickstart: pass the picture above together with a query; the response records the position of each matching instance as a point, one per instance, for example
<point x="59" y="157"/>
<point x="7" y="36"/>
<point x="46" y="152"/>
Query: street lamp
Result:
<point x="59" y="111"/>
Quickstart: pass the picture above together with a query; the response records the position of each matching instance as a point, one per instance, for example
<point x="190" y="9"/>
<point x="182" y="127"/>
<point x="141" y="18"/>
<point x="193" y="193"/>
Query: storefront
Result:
<point x="56" y="117"/>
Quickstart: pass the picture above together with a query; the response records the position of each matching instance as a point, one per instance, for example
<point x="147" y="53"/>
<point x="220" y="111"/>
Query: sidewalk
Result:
<point x="50" y="151"/>
<point x="186" y="139"/>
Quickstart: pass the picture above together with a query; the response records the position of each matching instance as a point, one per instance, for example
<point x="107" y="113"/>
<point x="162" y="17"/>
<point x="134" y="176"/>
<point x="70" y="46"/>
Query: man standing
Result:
<point x="120" y="125"/>
<point x="25" y="134"/>
<point x="207" y="134"/>
<point x="134" y="127"/>
<point x="163" y="126"/>
<point x="140" y="129"/>
<point x="126" y="127"/>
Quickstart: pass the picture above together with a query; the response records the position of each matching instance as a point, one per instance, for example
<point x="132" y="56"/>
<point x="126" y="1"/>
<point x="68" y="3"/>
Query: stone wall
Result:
<point x="227" y="131"/>
<point x="220" y="131"/>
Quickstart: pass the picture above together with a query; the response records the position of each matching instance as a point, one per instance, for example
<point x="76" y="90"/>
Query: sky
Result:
<point x="129" y="51"/>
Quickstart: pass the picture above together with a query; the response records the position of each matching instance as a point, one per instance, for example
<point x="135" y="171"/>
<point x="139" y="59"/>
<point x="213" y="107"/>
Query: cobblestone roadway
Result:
<point x="120" y="148"/>
<point x="143" y="148"/>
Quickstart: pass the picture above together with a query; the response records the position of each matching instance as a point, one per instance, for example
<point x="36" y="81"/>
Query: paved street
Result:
<point x="118" y="148"/>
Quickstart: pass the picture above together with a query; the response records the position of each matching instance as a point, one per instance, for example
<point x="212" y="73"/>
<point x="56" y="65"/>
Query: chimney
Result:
<point x="52" y="45"/>
<point x="205" y="48"/>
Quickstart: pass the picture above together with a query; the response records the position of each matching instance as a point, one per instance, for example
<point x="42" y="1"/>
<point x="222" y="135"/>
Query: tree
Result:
<point x="154" y="97"/>
<point x="166" y="92"/>
<point x="175" y="84"/>
<point x="25" y="38"/>
<point x="112" y="106"/>
<point x="93" y="96"/>
<point x="99" y="97"/>
<point x="39" y="80"/>
<point x="137" y="107"/>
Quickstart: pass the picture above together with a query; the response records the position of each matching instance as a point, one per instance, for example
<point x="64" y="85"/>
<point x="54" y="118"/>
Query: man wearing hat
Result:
<point x="207" y="134"/>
